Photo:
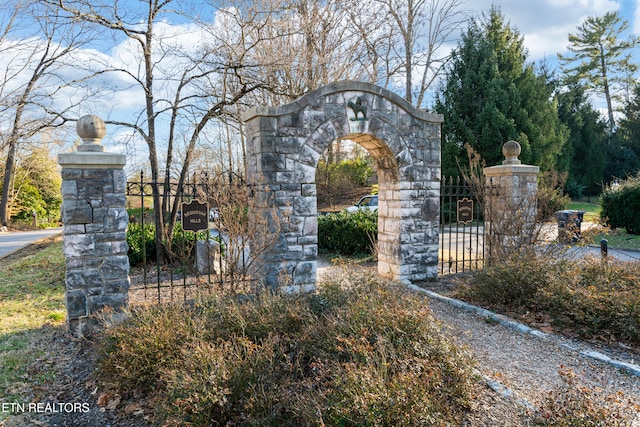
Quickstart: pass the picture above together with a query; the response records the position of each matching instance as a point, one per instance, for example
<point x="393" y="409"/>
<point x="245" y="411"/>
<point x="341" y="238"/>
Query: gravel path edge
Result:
<point x="508" y="322"/>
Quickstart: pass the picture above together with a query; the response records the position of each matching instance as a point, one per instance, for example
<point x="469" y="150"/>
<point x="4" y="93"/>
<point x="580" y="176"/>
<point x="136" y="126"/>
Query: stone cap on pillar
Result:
<point x="91" y="129"/>
<point x="511" y="150"/>
<point x="511" y="165"/>
<point x="90" y="154"/>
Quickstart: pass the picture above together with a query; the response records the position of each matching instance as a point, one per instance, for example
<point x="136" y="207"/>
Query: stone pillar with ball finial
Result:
<point x="510" y="203"/>
<point x="95" y="220"/>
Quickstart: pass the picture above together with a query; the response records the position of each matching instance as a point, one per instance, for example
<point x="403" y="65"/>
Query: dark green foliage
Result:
<point x="357" y="353"/>
<point x="621" y="161"/>
<point x="141" y="241"/>
<point x="142" y="245"/>
<point x="136" y="215"/>
<point x="491" y="95"/>
<point x="621" y="204"/>
<point x="348" y="233"/>
<point x="629" y="126"/>
<point x="584" y="156"/>
<point x="624" y="148"/>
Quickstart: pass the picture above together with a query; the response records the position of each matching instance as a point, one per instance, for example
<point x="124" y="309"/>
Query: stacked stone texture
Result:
<point x="95" y="222"/>
<point x="512" y="202"/>
<point x="284" y="146"/>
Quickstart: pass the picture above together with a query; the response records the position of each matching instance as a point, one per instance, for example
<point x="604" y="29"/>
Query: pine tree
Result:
<point x="629" y="126"/>
<point x="584" y="155"/>
<point x="491" y="95"/>
<point x="601" y="60"/>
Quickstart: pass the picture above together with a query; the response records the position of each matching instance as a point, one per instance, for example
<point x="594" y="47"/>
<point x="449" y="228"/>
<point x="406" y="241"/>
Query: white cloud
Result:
<point x="546" y="24"/>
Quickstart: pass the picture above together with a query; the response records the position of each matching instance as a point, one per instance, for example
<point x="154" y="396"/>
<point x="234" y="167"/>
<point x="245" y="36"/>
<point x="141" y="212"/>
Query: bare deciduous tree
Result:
<point x="417" y="31"/>
<point x="189" y="75"/>
<point x="33" y="78"/>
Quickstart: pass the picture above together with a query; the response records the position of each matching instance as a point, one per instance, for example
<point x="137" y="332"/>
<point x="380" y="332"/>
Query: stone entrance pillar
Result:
<point x="511" y="203"/>
<point x="284" y="145"/>
<point x="95" y="221"/>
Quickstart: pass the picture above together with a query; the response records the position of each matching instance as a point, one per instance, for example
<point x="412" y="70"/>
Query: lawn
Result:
<point x="591" y="210"/>
<point x="618" y="239"/>
<point x="31" y="296"/>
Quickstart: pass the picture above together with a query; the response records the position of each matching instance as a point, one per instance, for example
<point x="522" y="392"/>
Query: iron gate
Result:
<point x="463" y="242"/>
<point x="198" y="258"/>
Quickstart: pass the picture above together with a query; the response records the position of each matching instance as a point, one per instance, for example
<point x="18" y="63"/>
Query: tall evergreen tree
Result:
<point x="601" y="59"/>
<point x="629" y="126"/>
<point x="584" y="155"/>
<point x="491" y="95"/>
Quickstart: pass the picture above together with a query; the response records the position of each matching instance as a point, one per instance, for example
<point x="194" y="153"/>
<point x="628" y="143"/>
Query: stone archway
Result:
<point x="285" y="143"/>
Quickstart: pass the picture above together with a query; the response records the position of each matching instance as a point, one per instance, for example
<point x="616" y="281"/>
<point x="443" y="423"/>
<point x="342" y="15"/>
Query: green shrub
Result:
<point x="136" y="215"/>
<point x="621" y="204"/>
<point x="141" y="241"/>
<point x="362" y="352"/>
<point x="142" y="244"/>
<point x="348" y="233"/>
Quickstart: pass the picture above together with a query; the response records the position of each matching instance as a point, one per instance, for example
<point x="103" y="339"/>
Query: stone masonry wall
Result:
<point x="285" y="143"/>
<point x="95" y="246"/>
<point x="95" y="243"/>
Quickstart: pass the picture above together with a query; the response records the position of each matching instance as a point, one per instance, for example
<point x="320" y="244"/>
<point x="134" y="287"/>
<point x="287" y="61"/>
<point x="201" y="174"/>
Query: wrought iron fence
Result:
<point x="463" y="233"/>
<point x="196" y="253"/>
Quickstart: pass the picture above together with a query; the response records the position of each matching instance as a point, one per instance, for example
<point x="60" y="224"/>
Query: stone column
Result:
<point x="95" y="222"/>
<point x="510" y="203"/>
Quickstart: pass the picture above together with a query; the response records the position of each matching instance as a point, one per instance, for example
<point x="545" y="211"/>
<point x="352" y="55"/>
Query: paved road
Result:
<point x="12" y="241"/>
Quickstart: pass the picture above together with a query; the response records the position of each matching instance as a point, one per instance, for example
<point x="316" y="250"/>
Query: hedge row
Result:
<point x="348" y="233"/>
<point x="621" y="203"/>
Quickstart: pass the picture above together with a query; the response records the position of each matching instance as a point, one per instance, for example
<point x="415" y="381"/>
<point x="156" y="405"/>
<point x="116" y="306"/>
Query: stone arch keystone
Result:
<point x="285" y="143"/>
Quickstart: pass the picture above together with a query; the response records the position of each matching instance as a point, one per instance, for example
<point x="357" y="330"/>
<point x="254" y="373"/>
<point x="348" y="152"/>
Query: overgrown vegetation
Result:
<point x="576" y="404"/>
<point x="337" y="180"/>
<point x="621" y="203"/>
<point x="359" y="352"/>
<point x="583" y="295"/>
<point x="348" y="233"/>
<point x="551" y="196"/>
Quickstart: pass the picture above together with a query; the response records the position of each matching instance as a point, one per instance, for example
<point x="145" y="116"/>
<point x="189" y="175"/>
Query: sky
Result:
<point x="544" y="24"/>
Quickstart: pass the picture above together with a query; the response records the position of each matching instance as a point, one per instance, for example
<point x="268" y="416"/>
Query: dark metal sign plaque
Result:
<point x="195" y="216"/>
<point x="465" y="210"/>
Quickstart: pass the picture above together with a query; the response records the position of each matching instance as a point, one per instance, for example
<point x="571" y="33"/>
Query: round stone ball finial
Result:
<point x="91" y="129"/>
<point x="511" y="151"/>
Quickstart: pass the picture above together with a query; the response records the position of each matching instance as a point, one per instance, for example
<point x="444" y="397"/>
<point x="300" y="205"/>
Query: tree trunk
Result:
<point x="8" y="174"/>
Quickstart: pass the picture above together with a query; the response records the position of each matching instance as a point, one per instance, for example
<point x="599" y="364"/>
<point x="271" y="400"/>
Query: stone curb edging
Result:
<point x="505" y="392"/>
<point x="631" y="368"/>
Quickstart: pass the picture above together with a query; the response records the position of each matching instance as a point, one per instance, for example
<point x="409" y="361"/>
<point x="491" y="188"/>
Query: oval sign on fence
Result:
<point x="465" y="210"/>
<point x="195" y="216"/>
